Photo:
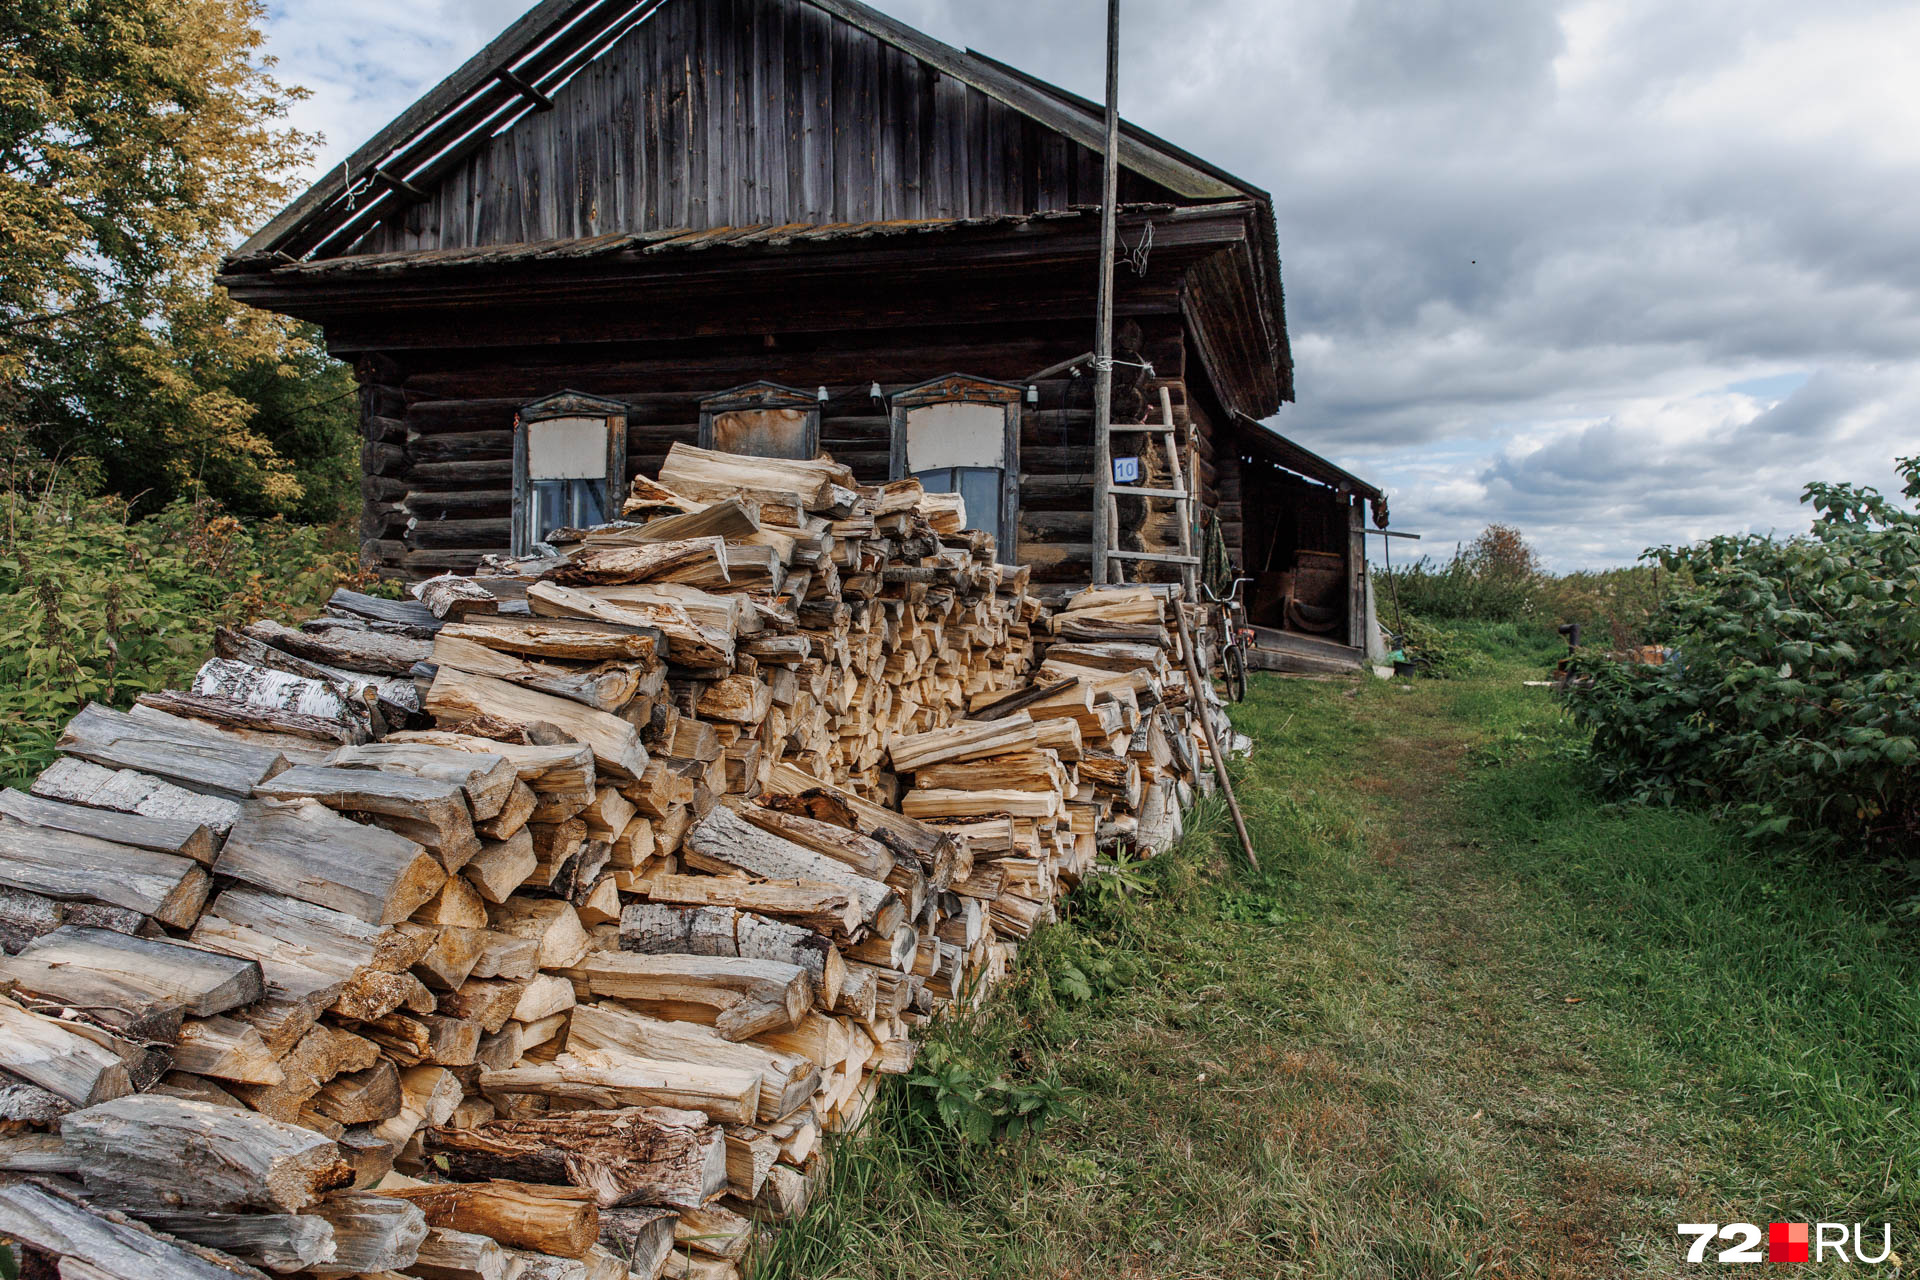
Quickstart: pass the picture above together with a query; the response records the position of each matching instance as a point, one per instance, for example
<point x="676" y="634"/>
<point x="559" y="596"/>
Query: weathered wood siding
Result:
<point x="718" y="113"/>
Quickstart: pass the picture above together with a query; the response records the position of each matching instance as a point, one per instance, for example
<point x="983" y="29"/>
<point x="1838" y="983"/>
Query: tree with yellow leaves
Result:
<point x="139" y="139"/>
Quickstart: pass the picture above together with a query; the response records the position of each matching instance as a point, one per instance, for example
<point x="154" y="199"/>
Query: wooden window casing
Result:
<point x="762" y="420"/>
<point x="575" y="486"/>
<point x="950" y="463"/>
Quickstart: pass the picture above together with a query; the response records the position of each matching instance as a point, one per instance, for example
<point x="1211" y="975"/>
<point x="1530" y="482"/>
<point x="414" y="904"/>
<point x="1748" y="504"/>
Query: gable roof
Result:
<point x="522" y="69"/>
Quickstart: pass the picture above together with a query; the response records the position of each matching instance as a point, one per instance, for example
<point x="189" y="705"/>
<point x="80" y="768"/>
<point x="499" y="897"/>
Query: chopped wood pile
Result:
<point x="546" y="925"/>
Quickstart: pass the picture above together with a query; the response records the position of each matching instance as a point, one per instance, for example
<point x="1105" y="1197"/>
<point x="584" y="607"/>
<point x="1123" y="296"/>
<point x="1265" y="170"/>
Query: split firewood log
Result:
<point x="169" y="1153"/>
<point x="636" y="1155"/>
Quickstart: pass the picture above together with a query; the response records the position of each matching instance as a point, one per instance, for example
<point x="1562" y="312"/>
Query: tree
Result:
<point x="138" y="139"/>
<point x="1502" y="551"/>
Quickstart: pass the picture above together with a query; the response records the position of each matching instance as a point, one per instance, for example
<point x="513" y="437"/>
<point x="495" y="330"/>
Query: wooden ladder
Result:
<point x="1180" y="493"/>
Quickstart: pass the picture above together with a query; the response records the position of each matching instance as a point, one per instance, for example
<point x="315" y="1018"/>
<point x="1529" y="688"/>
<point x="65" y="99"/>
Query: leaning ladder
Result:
<point x="1180" y="493"/>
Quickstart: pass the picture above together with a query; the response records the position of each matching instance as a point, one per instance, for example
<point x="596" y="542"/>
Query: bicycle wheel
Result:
<point x="1233" y="662"/>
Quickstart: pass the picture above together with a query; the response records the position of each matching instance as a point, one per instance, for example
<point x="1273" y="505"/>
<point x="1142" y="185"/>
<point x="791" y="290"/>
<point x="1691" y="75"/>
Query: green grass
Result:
<point x="1468" y="1021"/>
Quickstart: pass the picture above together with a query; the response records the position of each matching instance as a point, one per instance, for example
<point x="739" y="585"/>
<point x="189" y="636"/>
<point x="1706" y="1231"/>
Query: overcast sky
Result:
<point x="1619" y="273"/>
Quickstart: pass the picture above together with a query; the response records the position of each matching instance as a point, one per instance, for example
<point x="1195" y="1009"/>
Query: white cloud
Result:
<point x="1530" y="246"/>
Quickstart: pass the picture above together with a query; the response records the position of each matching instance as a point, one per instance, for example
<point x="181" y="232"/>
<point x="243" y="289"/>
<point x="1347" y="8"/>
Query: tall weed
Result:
<point x="97" y="606"/>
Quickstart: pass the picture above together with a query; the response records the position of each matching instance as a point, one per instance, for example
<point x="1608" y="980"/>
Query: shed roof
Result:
<point x="1263" y="440"/>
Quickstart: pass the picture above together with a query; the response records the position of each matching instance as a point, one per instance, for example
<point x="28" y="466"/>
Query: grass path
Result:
<point x="1469" y="1022"/>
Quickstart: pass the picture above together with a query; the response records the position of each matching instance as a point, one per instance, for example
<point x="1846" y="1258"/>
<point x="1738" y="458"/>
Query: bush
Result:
<point x="1612" y="606"/>
<point x="95" y="606"/>
<point x="1795" y="694"/>
<point x="1492" y="579"/>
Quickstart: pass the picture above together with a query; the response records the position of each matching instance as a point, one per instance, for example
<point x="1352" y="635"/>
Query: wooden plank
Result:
<point x="371" y="1233"/>
<point x="740" y="998"/>
<point x="571" y="639"/>
<point x="485" y="779"/>
<point x="206" y="763"/>
<point x="563" y="1221"/>
<point x="80" y="1064"/>
<point x="604" y="688"/>
<point x="427" y="811"/>
<point x="306" y="953"/>
<point x="723" y="841"/>
<point x="723" y="1094"/>
<point x="787" y="1080"/>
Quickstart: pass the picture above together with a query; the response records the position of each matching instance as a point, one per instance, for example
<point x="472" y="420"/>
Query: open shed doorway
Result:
<point x="1298" y="549"/>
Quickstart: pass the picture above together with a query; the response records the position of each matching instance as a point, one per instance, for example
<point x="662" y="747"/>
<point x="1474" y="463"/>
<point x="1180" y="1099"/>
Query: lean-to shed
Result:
<point x="777" y="227"/>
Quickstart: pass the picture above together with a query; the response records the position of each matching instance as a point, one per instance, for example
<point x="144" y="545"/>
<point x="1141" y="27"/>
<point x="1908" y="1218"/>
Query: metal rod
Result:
<point x="1198" y="695"/>
<point x="1103" y="330"/>
<point x="1393" y="533"/>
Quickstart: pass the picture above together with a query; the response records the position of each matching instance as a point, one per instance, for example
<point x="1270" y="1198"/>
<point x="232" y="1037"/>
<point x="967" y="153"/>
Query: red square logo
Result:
<point x="1786" y="1242"/>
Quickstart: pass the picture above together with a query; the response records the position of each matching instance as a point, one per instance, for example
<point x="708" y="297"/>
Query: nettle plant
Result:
<point x="1794" y="696"/>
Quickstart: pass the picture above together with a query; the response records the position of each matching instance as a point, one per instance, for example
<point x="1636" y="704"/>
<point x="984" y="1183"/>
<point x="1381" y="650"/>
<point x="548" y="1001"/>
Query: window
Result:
<point x="962" y="435"/>
<point x="569" y="465"/>
<point x="762" y="419"/>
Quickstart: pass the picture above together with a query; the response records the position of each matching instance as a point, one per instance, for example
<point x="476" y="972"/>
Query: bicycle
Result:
<point x="1236" y="637"/>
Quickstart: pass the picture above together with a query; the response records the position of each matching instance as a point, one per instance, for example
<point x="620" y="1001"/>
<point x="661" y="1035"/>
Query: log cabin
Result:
<point x="786" y="227"/>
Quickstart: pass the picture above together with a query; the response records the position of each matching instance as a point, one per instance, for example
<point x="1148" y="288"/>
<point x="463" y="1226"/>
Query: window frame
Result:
<point x="763" y="395"/>
<point x="565" y="404"/>
<point x="961" y="388"/>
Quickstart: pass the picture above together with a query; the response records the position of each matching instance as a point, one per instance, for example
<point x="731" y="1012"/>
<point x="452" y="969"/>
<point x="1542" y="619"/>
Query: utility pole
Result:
<point x="1103" y="335"/>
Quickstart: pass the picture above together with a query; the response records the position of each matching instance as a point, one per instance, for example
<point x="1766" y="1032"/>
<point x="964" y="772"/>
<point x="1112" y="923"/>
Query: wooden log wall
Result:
<point x="438" y="443"/>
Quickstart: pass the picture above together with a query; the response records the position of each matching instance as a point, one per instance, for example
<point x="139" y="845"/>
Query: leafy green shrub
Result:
<point x="95" y="606"/>
<point x="1613" y="607"/>
<point x="1795" y="694"/>
<point x="953" y="1093"/>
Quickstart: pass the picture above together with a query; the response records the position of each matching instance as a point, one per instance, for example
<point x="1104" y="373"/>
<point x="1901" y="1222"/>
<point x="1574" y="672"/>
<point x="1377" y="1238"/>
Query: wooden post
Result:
<point x="1357" y="571"/>
<point x="1103" y="331"/>
<point x="1205" y="713"/>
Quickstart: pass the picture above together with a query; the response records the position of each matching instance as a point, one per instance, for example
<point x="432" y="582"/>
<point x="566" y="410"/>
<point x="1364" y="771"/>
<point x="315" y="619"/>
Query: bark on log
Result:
<point x="112" y="1244"/>
<point x="177" y="836"/>
<point x="637" y="1155"/>
<point x="198" y="762"/>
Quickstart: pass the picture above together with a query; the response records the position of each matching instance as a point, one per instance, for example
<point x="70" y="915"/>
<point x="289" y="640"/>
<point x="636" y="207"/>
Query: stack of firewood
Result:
<point x="545" y="925"/>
